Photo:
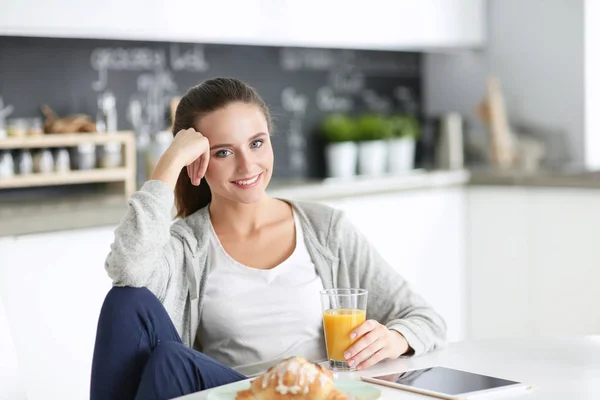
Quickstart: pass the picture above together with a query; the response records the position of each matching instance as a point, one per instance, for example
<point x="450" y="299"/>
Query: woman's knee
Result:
<point x="124" y="300"/>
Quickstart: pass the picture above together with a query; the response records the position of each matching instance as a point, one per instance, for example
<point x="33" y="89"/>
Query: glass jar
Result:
<point x="3" y="133"/>
<point x="159" y="143"/>
<point x="110" y="155"/>
<point x="83" y="156"/>
<point x="16" y="127"/>
<point x="35" y="127"/>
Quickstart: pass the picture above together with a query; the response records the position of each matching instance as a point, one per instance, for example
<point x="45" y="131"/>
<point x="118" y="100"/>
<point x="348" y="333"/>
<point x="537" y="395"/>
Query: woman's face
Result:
<point x="241" y="156"/>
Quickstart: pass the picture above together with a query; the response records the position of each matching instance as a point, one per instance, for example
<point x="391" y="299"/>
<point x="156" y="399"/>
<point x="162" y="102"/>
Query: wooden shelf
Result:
<point x="66" y="178"/>
<point x="126" y="174"/>
<point x="65" y="140"/>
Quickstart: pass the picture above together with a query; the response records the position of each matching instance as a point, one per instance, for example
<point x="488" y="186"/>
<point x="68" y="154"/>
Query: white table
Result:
<point x="558" y="368"/>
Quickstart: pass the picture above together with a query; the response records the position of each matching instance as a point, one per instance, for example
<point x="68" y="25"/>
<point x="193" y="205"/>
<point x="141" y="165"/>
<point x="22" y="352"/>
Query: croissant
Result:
<point x="293" y="379"/>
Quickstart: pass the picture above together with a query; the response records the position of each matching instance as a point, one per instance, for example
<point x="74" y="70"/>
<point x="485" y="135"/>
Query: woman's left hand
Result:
<point x="376" y="343"/>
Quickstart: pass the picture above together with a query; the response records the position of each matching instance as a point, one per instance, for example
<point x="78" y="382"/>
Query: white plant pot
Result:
<point x="372" y="157"/>
<point x="401" y="155"/>
<point x="340" y="159"/>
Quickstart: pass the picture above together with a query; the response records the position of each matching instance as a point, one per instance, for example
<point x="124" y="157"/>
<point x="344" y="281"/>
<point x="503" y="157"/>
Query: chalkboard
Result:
<point x="300" y="85"/>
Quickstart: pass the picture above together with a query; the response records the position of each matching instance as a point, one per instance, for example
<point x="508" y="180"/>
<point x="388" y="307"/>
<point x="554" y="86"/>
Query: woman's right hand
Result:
<point x="193" y="150"/>
<point x="190" y="149"/>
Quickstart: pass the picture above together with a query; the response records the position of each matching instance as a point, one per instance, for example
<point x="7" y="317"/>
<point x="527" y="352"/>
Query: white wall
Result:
<point x="455" y="82"/>
<point x="536" y="48"/>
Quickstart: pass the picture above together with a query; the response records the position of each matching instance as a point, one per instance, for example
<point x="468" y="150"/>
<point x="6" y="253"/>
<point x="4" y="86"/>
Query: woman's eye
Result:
<point x="222" y="153"/>
<point x="256" y="144"/>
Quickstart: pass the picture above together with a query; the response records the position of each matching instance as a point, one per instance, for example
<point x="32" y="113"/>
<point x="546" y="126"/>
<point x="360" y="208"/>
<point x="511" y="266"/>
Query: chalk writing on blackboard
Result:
<point x="376" y="102"/>
<point x="407" y="67"/>
<point x="347" y="82"/>
<point x="135" y="59"/>
<point x="307" y="59"/>
<point x="154" y="91"/>
<point x="122" y="59"/>
<point x="106" y="59"/>
<point x="293" y="101"/>
<point x="376" y="64"/>
<point x="329" y="101"/>
<point x="297" y="146"/>
<point x="192" y="59"/>
<point x="406" y="100"/>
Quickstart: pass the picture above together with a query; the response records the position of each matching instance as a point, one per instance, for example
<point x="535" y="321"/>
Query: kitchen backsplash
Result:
<point x="300" y="85"/>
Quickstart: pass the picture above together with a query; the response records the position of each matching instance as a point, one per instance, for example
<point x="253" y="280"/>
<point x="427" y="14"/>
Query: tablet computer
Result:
<point x="448" y="383"/>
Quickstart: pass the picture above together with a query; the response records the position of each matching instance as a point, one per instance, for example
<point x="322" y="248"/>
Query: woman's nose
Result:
<point x="244" y="163"/>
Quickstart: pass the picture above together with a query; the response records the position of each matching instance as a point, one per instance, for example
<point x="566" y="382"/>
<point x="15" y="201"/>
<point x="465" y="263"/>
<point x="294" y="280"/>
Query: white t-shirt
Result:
<point x="251" y="318"/>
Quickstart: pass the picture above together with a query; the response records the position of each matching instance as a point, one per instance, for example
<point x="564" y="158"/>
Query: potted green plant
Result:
<point x="404" y="132"/>
<point x="372" y="131"/>
<point x="339" y="134"/>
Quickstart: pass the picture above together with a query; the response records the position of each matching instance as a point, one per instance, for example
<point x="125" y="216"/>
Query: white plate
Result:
<point x="360" y="390"/>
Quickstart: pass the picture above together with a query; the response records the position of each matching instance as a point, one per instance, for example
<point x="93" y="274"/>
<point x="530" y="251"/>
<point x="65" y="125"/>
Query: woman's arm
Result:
<point x="391" y="300"/>
<point x="144" y="251"/>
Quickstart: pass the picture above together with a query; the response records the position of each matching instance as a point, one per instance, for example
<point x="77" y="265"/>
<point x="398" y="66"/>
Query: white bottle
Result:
<point x="25" y="162"/>
<point x="7" y="165"/>
<point x="62" y="161"/>
<point x="43" y="161"/>
<point x="449" y="151"/>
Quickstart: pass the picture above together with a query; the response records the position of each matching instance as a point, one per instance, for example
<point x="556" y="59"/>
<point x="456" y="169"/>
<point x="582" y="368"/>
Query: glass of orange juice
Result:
<point x="343" y="310"/>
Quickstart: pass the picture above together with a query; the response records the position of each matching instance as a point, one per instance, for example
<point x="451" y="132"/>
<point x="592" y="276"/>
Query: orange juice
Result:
<point x="338" y="326"/>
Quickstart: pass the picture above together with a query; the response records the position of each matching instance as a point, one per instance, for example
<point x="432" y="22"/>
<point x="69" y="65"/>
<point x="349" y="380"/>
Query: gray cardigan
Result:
<point x="171" y="260"/>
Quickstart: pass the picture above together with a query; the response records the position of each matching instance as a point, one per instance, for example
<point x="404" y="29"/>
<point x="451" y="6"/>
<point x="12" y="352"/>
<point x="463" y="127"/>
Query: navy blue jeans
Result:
<point x="139" y="355"/>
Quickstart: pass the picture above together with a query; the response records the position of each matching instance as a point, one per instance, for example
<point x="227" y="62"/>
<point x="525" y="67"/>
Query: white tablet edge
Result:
<point x="502" y="390"/>
<point x="464" y="396"/>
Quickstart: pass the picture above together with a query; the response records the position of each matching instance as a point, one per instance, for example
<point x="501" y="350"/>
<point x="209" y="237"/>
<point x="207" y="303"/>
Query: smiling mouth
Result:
<point x="247" y="181"/>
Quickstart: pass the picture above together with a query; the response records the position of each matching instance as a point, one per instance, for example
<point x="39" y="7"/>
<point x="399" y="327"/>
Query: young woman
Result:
<point x="232" y="287"/>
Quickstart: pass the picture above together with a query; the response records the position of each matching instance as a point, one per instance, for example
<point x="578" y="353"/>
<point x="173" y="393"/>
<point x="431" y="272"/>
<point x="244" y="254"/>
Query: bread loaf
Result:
<point x="293" y="379"/>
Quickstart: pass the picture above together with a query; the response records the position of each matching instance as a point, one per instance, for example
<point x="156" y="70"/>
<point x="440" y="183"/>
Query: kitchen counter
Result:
<point x="330" y="189"/>
<point x="41" y="215"/>
<point x="35" y="216"/>
<point x="545" y="178"/>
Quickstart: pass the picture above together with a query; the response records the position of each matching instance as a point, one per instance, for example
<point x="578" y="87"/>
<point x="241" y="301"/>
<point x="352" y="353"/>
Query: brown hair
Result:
<point x="200" y="100"/>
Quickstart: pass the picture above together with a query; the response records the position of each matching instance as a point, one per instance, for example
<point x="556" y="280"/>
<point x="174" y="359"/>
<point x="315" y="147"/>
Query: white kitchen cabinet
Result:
<point x="565" y="274"/>
<point x="421" y="233"/>
<point x="6" y="244"/>
<point x="380" y="24"/>
<point x="11" y="382"/>
<point x="498" y="262"/>
<point x="533" y="261"/>
<point x="109" y="19"/>
<point x="52" y="287"/>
